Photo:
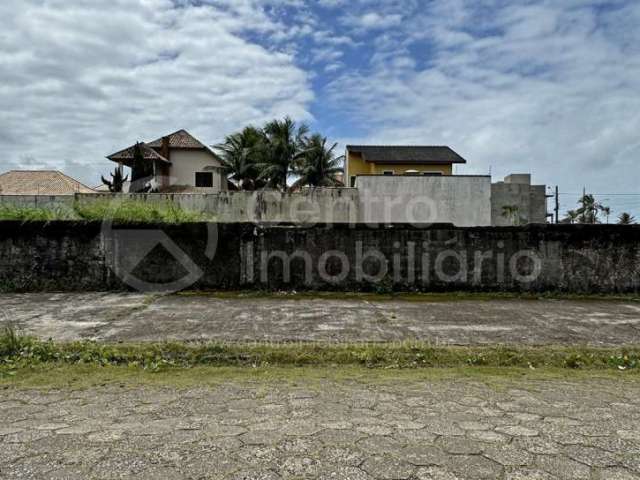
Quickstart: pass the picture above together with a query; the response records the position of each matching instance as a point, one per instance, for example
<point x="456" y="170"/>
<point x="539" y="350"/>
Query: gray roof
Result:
<point x="407" y="154"/>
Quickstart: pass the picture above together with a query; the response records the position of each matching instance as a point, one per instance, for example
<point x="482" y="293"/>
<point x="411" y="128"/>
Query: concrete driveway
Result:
<point x="115" y="317"/>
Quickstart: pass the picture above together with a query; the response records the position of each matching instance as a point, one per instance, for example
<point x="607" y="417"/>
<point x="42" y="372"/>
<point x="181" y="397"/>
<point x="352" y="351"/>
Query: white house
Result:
<point x="177" y="162"/>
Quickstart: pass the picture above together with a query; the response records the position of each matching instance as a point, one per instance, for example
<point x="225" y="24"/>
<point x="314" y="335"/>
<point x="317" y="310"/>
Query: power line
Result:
<point x="608" y="194"/>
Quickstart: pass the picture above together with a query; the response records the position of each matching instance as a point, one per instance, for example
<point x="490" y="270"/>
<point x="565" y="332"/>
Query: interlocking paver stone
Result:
<point x="328" y="429"/>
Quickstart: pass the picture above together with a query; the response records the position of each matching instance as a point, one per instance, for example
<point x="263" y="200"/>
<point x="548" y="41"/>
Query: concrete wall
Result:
<point x="59" y="256"/>
<point x="337" y="205"/>
<point x="461" y="200"/>
<point x="39" y="201"/>
<point x="516" y="190"/>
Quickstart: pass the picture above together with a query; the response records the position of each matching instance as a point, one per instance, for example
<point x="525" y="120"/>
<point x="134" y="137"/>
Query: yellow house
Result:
<point x="399" y="160"/>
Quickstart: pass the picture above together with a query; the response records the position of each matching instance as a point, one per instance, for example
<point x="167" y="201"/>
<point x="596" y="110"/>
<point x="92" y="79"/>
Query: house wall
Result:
<point x="357" y="166"/>
<point x="185" y="163"/>
<point x="461" y="200"/>
<point x="516" y="190"/>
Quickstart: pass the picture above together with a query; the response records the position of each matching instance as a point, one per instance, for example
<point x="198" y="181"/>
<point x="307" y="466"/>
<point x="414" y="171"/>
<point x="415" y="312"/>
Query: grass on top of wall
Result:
<point x="126" y="211"/>
<point x="35" y="214"/>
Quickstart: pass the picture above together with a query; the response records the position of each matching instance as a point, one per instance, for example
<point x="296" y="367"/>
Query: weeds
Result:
<point x="131" y="211"/>
<point x="127" y="211"/>
<point x="17" y="351"/>
<point x="34" y="214"/>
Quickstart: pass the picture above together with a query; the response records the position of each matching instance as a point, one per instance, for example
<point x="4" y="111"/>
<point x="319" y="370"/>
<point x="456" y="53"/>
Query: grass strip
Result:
<point x="119" y="211"/>
<point x="429" y="297"/>
<point x="18" y="352"/>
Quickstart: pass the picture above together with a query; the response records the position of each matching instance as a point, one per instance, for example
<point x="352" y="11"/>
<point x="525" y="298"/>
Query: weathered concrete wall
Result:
<point x="517" y="191"/>
<point x="326" y="205"/>
<point x="461" y="200"/>
<point x="464" y="201"/>
<point x="39" y="201"/>
<point x="93" y="256"/>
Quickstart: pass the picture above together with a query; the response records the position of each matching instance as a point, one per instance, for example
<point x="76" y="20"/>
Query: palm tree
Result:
<point x="317" y="164"/>
<point x="283" y="142"/>
<point x="626" y="219"/>
<point x="240" y="153"/>
<point x="572" y="217"/>
<point x="607" y="212"/>
<point x="588" y="212"/>
<point x="117" y="180"/>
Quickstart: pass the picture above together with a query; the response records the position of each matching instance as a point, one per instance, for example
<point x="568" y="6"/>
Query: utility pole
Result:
<point x="557" y="209"/>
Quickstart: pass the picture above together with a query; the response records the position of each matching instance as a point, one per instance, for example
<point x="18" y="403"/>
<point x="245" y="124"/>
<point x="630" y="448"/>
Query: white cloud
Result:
<point x="373" y="20"/>
<point x="80" y="81"/>
<point x="551" y="89"/>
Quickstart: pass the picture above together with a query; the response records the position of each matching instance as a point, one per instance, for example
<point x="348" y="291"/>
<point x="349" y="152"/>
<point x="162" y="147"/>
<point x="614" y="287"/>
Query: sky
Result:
<point x="551" y="88"/>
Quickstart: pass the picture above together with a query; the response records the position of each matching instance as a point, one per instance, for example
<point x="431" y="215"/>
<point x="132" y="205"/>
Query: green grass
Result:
<point x="31" y="214"/>
<point x="127" y="211"/>
<point x="409" y="296"/>
<point x="17" y="352"/>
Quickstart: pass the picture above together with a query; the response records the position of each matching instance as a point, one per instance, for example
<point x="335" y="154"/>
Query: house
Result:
<point x="40" y="182"/>
<point x="399" y="160"/>
<point x="177" y="162"/>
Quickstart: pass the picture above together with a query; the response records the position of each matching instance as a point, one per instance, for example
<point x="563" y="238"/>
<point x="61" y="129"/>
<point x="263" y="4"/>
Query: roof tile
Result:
<point x="40" y="182"/>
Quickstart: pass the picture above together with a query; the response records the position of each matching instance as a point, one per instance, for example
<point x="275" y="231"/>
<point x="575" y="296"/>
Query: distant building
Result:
<point x="399" y="160"/>
<point x="177" y="162"/>
<point x="40" y="182"/>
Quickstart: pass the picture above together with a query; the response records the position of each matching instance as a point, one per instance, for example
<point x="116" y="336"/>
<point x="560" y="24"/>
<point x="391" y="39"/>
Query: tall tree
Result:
<point x="240" y="155"/>
<point x="626" y="219"/>
<point x="141" y="168"/>
<point x="117" y="180"/>
<point x="572" y="217"/>
<point x="283" y="142"/>
<point x="317" y="164"/>
<point x="589" y="209"/>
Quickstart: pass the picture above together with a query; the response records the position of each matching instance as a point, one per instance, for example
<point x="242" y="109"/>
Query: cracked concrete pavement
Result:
<point x="411" y="429"/>
<point x="136" y="317"/>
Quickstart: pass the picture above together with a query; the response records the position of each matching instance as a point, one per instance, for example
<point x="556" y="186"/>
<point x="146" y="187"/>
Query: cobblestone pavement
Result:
<point x="414" y="429"/>
<point x="135" y="317"/>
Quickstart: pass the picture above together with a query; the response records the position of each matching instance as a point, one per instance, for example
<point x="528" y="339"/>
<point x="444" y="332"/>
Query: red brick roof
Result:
<point x="179" y="139"/>
<point x="40" y="182"/>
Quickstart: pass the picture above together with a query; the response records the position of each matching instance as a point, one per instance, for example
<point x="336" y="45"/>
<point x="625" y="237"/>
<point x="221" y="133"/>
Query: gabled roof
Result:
<point x="128" y="154"/>
<point x="179" y="139"/>
<point x="407" y="154"/>
<point x="40" y="182"/>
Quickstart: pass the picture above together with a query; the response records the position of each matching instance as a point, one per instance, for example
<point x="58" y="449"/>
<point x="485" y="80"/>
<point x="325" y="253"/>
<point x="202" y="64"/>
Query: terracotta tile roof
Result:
<point x="127" y="154"/>
<point x="40" y="182"/>
<point x="179" y="139"/>
<point x="407" y="154"/>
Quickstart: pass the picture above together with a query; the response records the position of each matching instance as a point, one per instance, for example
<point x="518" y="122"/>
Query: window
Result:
<point x="352" y="181"/>
<point x="388" y="172"/>
<point x="204" y="179"/>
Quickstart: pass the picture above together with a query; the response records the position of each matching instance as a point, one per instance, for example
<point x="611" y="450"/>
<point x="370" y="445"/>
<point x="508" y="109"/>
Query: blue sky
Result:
<point x="547" y="87"/>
